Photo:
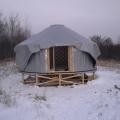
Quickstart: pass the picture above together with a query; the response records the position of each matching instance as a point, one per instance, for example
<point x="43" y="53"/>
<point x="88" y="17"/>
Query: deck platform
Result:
<point x="57" y="78"/>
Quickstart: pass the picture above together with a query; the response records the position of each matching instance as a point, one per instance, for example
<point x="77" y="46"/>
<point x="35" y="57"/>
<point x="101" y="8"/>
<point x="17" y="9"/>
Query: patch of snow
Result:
<point x="96" y="100"/>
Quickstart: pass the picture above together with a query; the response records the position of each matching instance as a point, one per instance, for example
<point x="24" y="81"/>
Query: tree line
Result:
<point x="12" y="32"/>
<point x="108" y="49"/>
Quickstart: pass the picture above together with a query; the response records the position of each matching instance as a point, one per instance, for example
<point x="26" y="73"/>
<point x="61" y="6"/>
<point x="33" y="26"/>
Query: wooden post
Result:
<point x="83" y="79"/>
<point x="60" y="77"/>
<point x="70" y="59"/>
<point x="53" y="58"/>
<point x="36" y="76"/>
<point x="93" y="75"/>
<point x="47" y="60"/>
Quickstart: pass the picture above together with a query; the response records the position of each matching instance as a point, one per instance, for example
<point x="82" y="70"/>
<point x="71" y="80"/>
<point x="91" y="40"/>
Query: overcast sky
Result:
<point x="87" y="17"/>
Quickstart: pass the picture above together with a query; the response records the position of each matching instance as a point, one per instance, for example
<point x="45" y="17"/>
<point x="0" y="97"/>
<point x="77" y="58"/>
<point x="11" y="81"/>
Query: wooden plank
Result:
<point x="47" y="82"/>
<point x="68" y="82"/>
<point x="48" y="60"/>
<point x="70" y="59"/>
<point x="36" y="77"/>
<point x="83" y="79"/>
<point x="40" y="76"/>
<point x="69" y="68"/>
<point x="71" y="77"/>
<point x="60" y="78"/>
<point x="53" y="59"/>
<point x="93" y="75"/>
<point x="55" y="84"/>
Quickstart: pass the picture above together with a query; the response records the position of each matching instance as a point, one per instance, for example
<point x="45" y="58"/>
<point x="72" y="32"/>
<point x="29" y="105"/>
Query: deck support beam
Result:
<point x="60" y="78"/>
<point x="93" y="75"/>
<point x="83" y="78"/>
<point x="36" y="77"/>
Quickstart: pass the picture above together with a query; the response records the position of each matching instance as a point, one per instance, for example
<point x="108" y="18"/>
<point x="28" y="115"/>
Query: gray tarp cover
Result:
<point x="55" y="35"/>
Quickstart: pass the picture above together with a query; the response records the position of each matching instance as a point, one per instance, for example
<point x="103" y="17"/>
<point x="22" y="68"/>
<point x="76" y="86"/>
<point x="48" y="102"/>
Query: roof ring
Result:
<point x="57" y="25"/>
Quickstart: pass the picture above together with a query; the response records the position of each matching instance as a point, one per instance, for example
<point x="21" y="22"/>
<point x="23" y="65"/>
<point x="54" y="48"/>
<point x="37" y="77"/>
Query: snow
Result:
<point x="96" y="100"/>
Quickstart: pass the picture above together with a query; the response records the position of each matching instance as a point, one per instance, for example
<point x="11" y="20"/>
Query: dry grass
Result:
<point x="109" y="63"/>
<point x="4" y="61"/>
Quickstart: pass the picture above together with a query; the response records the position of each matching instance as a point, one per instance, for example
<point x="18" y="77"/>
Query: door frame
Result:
<point x="70" y="60"/>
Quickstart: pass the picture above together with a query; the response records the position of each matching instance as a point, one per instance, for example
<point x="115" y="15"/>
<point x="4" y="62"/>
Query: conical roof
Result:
<point x="56" y="35"/>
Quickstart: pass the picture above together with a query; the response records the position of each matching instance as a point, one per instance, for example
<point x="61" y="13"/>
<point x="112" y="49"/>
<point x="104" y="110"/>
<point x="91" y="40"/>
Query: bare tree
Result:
<point x="107" y="41"/>
<point x="97" y="39"/>
<point x="12" y="31"/>
<point x="15" y="31"/>
<point x="1" y="25"/>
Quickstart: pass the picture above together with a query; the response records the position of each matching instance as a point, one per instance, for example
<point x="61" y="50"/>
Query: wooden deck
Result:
<point x="58" y="79"/>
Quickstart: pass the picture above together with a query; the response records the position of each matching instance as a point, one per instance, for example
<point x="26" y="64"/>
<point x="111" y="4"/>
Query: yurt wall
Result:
<point x="82" y="61"/>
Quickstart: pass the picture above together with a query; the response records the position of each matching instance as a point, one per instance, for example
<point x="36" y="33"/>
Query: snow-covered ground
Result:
<point x="96" y="100"/>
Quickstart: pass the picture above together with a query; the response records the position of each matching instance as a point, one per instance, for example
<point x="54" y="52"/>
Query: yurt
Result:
<point x="57" y="54"/>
